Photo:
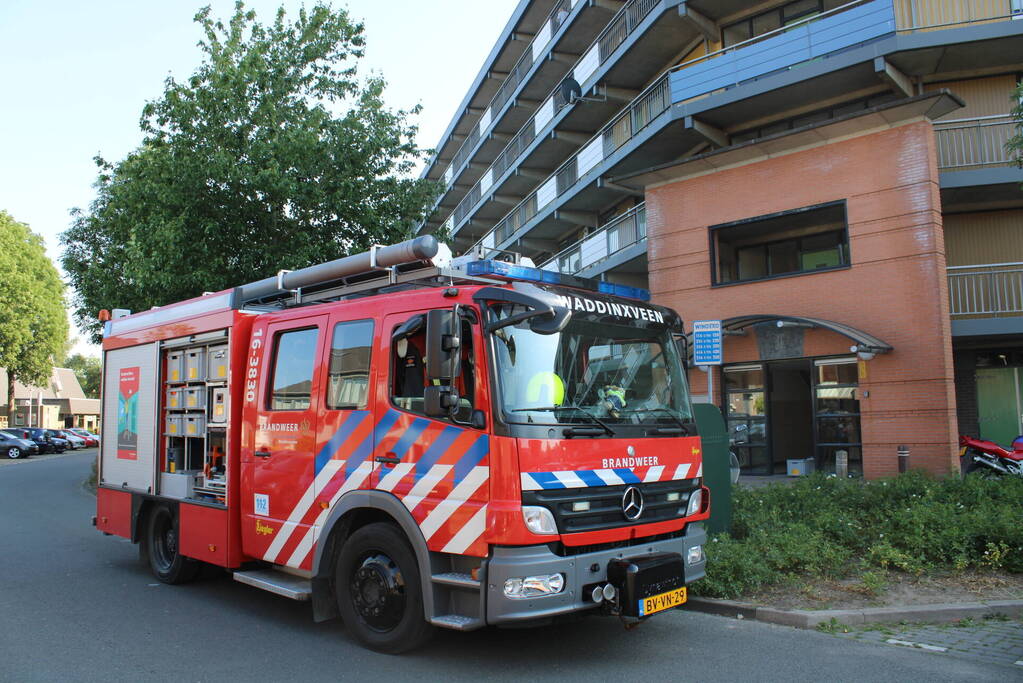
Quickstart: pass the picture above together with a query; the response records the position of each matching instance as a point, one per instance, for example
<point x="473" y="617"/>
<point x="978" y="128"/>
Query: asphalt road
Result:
<point x="77" y="605"/>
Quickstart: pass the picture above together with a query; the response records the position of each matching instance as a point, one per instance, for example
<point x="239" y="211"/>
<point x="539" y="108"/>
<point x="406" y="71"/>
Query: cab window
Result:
<point x="348" y="380"/>
<point x="294" y="355"/>
<point x="408" y="373"/>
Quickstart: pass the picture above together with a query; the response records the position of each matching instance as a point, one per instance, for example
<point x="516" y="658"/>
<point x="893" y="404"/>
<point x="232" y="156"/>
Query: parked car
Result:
<point x="43" y="438"/>
<point x="76" y="441"/>
<point x="58" y="440"/>
<point x="91" y="440"/>
<point x="13" y="446"/>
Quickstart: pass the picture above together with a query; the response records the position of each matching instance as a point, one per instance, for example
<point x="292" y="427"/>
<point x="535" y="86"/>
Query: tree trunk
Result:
<point x="10" y="399"/>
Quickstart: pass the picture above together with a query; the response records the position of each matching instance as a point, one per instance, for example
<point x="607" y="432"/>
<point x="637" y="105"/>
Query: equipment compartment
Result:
<point x="218" y="408"/>
<point x="174" y="425"/>
<point x="176" y="366"/>
<point x="175" y="400"/>
<point x="195" y="425"/>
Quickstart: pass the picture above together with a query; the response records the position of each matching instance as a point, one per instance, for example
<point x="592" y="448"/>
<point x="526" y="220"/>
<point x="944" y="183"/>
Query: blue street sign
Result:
<point x="707" y="342"/>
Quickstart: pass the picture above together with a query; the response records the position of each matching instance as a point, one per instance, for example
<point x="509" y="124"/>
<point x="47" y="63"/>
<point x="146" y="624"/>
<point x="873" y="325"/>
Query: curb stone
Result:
<point x="810" y="619"/>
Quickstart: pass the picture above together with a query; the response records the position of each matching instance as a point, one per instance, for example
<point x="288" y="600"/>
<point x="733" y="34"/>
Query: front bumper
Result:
<point x="579" y="570"/>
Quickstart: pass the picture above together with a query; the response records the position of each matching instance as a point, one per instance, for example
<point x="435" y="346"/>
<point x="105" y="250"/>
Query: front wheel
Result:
<point x="161" y="539"/>
<point x="378" y="589"/>
<point x="13" y="452"/>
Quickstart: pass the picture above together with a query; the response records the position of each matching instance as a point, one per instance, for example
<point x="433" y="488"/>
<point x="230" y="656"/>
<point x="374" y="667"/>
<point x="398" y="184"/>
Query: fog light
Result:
<point x="609" y="592"/>
<point x="673" y="496"/>
<point x="534" y="586"/>
<point x="695" y="555"/>
<point x="539" y="520"/>
<point x="695" y="501"/>
<point x="597" y="594"/>
<point x="581" y="506"/>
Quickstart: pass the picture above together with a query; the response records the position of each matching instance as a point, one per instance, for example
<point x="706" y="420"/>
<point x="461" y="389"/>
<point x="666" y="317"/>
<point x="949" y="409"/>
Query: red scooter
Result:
<point x="987" y="457"/>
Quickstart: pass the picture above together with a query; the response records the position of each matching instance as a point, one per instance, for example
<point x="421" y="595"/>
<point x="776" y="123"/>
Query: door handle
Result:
<point x="390" y="459"/>
<point x="262" y="454"/>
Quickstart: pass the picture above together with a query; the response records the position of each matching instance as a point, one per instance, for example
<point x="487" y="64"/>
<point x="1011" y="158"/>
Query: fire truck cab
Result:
<point x="409" y="442"/>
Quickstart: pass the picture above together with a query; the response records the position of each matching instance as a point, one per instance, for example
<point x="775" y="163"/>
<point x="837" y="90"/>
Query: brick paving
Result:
<point x="993" y="641"/>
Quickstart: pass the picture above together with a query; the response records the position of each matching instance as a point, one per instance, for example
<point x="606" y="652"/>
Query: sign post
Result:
<point x="707" y="350"/>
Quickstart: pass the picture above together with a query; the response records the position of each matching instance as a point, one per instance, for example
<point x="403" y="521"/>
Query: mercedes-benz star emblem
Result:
<point x="632" y="503"/>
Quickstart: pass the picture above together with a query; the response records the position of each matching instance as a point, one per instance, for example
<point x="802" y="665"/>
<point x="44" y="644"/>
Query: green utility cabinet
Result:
<point x="716" y="465"/>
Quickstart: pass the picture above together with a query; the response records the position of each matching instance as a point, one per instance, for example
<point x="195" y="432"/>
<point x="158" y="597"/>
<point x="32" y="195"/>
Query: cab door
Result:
<point x="278" y="469"/>
<point x="438" y="467"/>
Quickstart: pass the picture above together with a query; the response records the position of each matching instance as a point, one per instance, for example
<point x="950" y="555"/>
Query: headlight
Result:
<point x="534" y="586"/>
<point x="539" y="520"/>
<point x="695" y="501"/>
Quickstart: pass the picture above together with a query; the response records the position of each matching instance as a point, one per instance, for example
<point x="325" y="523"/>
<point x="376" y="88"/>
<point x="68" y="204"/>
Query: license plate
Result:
<point x="662" y="601"/>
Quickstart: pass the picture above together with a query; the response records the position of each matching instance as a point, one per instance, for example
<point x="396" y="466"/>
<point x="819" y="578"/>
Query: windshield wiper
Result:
<point x="569" y="431"/>
<point x="681" y="429"/>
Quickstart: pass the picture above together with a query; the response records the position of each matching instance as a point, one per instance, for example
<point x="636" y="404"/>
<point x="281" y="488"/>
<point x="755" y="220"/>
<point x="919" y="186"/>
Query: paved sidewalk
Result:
<point x="990" y="641"/>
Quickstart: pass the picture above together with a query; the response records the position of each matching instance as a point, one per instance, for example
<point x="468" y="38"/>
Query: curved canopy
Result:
<point x="864" y="342"/>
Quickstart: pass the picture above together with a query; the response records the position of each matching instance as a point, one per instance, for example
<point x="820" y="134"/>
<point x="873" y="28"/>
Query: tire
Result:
<point x="12" y="452"/>
<point x="378" y="590"/>
<point x="161" y="539"/>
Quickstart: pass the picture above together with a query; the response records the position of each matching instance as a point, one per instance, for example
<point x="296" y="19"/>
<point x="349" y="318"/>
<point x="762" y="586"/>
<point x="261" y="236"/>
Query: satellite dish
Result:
<point x="570" y="91"/>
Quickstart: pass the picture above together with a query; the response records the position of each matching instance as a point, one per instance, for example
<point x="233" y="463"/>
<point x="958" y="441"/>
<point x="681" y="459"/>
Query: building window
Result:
<point x="294" y="354"/>
<point x="776" y="18"/>
<point x="800" y="241"/>
<point x="838" y="414"/>
<point x="348" y="384"/>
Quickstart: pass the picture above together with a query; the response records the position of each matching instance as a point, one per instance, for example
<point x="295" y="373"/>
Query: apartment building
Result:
<point x="827" y="178"/>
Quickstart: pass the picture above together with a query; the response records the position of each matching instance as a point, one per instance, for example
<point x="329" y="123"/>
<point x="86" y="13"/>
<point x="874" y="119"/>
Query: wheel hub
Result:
<point x="377" y="588"/>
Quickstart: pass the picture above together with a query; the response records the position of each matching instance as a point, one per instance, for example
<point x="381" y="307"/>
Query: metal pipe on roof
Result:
<point x="421" y="248"/>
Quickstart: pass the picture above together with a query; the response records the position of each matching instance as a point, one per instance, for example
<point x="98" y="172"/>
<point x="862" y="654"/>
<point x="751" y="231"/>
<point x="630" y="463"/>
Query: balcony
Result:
<point x="965" y="144"/>
<point x="691" y="108"/>
<point x="539" y="145"/>
<point x="568" y="29"/>
<point x="590" y="255"/>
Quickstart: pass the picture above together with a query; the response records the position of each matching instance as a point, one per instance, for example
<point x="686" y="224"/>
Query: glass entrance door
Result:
<point x="998" y="404"/>
<point x="837" y="410"/>
<point x="747" y="417"/>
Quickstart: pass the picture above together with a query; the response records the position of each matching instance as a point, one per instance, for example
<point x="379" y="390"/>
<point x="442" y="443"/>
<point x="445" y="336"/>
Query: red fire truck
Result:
<point x="408" y="441"/>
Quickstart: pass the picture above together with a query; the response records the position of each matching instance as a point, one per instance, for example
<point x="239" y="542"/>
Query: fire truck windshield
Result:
<point x="595" y="371"/>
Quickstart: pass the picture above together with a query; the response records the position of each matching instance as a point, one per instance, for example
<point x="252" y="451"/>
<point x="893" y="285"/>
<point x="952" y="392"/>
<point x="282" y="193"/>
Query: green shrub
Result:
<point x="828" y="527"/>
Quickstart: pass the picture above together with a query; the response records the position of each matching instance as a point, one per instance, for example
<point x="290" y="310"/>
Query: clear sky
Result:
<point x="74" y="76"/>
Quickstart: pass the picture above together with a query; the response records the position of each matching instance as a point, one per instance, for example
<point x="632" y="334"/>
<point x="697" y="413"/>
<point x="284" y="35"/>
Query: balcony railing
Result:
<point x="559" y="13"/>
<point x="622" y="232"/>
<point x="991" y="289"/>
<point x="614" y="34"/>
<point x="973" y="143"/>
<point x="916" y="15"/>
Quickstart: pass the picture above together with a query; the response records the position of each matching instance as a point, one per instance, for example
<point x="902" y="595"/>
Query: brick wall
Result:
<point x="895" y="290"/>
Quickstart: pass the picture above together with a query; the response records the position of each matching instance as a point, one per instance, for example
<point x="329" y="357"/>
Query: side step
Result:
<point x="457" y="622"/>
<point x="456" y="579"/>
<point x="293" y="587"/>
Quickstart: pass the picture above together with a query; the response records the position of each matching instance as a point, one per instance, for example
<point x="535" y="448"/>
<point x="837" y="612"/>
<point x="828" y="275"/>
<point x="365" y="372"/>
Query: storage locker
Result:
<point x="195" y="364"/>
<point x="174" y="425"/>
<point x="195" y="425"/>
<point x="176" y="366"/>
<point x="175" y="400"/>
<point x="217" y="363"/>
<point x="195" y="397"/>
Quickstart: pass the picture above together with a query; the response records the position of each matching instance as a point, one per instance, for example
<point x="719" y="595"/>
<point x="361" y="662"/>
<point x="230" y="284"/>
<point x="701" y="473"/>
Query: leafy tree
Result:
<point x="88" y="371"/>
<point x="272" y="155"/>
<point x="33" y="321"/>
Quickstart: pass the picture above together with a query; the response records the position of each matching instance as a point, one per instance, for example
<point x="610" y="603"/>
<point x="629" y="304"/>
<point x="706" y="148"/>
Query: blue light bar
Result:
<point x="510" y="271"/>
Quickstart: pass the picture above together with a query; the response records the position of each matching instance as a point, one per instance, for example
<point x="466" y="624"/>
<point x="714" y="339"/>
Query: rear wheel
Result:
<point x="979" y="469"/>
<point x="378" y="589"/>
<point x="13" y="452"/>
<point x="161" y="539"/>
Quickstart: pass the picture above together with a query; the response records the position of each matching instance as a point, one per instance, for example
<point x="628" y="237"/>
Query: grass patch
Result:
<point x="833" y="528"/>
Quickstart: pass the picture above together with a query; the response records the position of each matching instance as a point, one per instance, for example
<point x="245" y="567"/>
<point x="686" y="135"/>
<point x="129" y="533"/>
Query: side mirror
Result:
<point x="440" y="401"/>
<point x="443" y="344"/>
<point x="682" y="345"/>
